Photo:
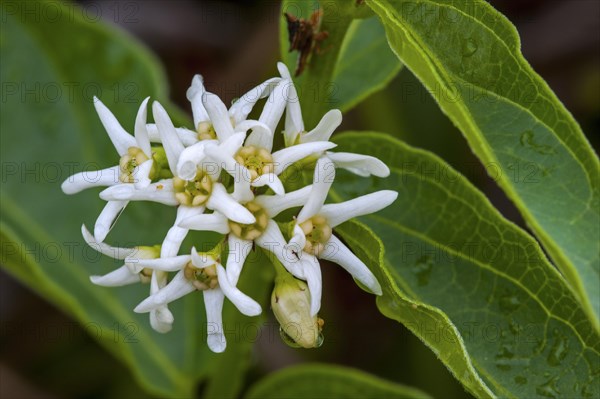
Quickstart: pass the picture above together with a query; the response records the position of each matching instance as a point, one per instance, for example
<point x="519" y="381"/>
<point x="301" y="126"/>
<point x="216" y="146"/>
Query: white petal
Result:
<point x="261" y="136"/>
<point x="312" y="275"/>
<point x="201" y="260"/>
<point x="107" y="218"/>
<point x="243" y="106"/>
<point x="171" y="264"/>
<point x="275" y="204"/>
<point x="272" y="240"/>
<point x="284" y="71"/>
<point x="186" y="136"/>
<point x="337" y="252"/>
<point x="246" y="305"/>
<point x="189" y="159"/>
<point x="141" y="134"/>
<point x="223" y="155"/>
<point x="271" y="180"/>
<point x="242" y="191"/>
<point x="116" y="278"/>
<point x="105" y="249"/>
<point x="232" y="144"/>
<point x="213" y="301"/>
<point x="298" y="240"/>
<point x="238" y="252"/>
<point x="94" y="178"/>
<point x="207" y="222"/>
<point x="161" y="320"/>
<point x="164" y="316"/>
<point x="293" y="117"/>
<point x="337" y="214"/>
<point x="177" y="288"/>
<point x="275" y="106"/>
<point x="361" y="165"/>
<point x="119" y="137"/>
<point x="287" y="156"/>
<point x="217" y="111"/>
<point x="194" y="95"/>
<point x="161" y="192"/>
<point x="176" y="234"/>
<point x="221" y="201"/>
<point x="322" y="181"/>
<point x="325" y="128"/>
<point x="169" y="138"/>
<point x="158" y="281"/>
<point x="141" y="174"/>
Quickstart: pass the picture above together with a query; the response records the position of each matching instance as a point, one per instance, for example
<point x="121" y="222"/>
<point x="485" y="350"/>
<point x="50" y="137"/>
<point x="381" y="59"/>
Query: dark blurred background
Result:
<point x="234" y="44"/>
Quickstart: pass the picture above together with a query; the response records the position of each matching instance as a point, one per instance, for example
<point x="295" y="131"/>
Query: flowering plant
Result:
<point x="226" y="143"/>
<point x="252" y="229"/>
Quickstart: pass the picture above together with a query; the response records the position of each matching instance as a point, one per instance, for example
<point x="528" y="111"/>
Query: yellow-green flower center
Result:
<point x="258" y="160"/>
<point x="206" y="131"/>
<point x="134" y="158"/>
<point x="202" y="278"/>
<point x="251" y="231"/>
<point x="145" y="275"/>
<point x="318" y="233"/>
<point x="193" y="192"/>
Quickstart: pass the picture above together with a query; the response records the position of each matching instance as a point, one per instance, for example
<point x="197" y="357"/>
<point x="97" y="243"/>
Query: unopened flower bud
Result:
<point x="291" y="305"/>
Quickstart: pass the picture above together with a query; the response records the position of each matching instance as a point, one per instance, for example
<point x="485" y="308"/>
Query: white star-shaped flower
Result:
<point x="361" y="165"/>
<point x="135" y="166"/>
<point x="199" y="272"/>
<point x="203" y="125"/>
<point x="132" y="272"/>
<point x="313" y="236"/>
<point x="192" y="195"/>
<point x="265" y="232"/>
<point x="252" y="163"/>
<point x="189" y="170"/>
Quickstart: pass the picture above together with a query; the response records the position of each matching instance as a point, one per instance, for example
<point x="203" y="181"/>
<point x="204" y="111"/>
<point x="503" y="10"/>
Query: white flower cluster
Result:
<point x="225" y="177"/>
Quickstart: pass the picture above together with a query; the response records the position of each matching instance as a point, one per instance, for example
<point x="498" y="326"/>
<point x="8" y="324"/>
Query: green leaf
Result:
<point x="473" y="286"/>
<point x="365" y="65"/>
<point x="51" y="68"/>
<point x="328" y="382"/>
<point x="351" y="64"/>
<point x="468" y="56"/>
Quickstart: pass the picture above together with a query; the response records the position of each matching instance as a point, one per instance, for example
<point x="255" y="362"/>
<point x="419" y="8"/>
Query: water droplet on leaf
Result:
<point x="514" y="327"/>
<point x="422" y="269"/>
<point x="509" y="303"/>
<point x="503" y="358"/>
<point x="559" y="350"/>
<point x="548" y="389"/>
<point x="528" y="140"/>
<point x="469" y="47"/>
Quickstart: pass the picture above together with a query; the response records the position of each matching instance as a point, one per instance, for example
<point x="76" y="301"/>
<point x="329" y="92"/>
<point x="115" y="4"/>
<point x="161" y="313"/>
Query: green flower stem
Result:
<point x="281" y="272"/>
<point x="219" y="248"/>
